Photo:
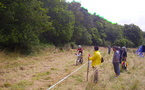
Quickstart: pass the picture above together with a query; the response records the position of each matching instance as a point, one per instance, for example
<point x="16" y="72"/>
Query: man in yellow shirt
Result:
<point x="96" y="60"/>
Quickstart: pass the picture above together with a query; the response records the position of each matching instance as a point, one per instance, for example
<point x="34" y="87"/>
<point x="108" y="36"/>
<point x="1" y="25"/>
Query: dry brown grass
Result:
<point x="40" y="71"/>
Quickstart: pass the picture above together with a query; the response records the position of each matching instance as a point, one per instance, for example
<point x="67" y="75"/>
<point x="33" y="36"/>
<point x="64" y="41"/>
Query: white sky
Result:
<point x="118" y="11"/>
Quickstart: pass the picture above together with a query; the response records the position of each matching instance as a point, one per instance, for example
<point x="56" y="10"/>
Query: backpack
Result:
<point x="102" y="60"/>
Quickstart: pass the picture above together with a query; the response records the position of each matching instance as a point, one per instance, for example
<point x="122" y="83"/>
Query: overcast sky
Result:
<point x="118" y="11"/>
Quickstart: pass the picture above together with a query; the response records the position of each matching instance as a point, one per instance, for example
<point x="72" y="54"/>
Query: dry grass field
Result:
<point x="42" y="70"/>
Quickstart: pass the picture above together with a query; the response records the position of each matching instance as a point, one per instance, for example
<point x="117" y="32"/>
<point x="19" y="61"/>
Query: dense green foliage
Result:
<point x="21" y="23"/>
<point x="26" y="23"/>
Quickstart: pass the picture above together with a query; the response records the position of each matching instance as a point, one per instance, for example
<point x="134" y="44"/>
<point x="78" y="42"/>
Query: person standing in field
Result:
<point x="96" y="60"/>
<point x="115" y="61"/>
<point x="120" y="52"/>
<point x="109" y="49"/>
<point x="124" y="57"/>
<point x="124" y="54"/>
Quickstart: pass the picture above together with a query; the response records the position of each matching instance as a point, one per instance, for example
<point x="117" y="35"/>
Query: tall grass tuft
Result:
<point x="21" y="85"/>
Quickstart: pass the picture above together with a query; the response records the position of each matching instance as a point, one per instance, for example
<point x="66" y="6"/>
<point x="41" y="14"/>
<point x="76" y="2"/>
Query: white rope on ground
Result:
<point x="66" y="77"/>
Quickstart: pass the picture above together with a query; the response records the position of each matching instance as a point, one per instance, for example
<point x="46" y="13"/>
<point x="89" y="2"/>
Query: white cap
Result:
<point x="124" y="48"/>
<point x="79" y="46"/>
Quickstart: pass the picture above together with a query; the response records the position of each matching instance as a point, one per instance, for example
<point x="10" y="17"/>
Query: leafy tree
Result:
<point x="88" y="21"/>
<point x="134" y="34"/>
<point x="123" y="42"/>
<point x="96" y="37"/>
<point x="113" y="32"/>
<point x="21" y="23"/>
<point x="62" y="20"/>
<point x="75" y="8"/>
<point x="99" y="26"/>
<point x="143" y="37"/>
<point x="25" y="23"/>
<point x="77" y="34"/>
<point x="86" y="38"/>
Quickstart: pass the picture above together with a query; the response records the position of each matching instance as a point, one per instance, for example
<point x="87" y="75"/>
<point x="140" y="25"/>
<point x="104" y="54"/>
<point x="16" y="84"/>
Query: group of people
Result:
<point x="119" y="57"/>
<point x="96" y="60"/>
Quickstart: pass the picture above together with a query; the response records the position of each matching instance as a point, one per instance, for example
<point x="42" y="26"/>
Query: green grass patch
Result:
<point x="47" y="78"/>
<point x="66" y="70"/>
<point x="40" y="75"/>
<point x="128" y="72"/>
<point x="117" y="86"/>
<point x="92" y="86"/>
<point x="135" y="85"/>
<point x="6" y="85"/>
<point x="78" y="78"/>
<point x="53" y="69"/>
<point x="44" y="73"/>
<point x="111" y="78"/>
<point x="17" y="64"/>
<point x="21" y="85"/>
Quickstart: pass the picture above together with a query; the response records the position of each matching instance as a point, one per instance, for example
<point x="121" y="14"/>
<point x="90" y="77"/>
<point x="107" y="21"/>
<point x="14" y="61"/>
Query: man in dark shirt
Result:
<point x="124" y="56"/>
<point x="115" y="61"/>
<point x="120" y="51"/>
<point x="109" y="49"/>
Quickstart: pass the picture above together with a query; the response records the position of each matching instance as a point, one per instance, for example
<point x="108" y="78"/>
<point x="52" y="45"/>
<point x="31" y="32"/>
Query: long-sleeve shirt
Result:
<point x="96" y="59"/>
<point x="124" y="54"/>
<point x="116" y="56"/>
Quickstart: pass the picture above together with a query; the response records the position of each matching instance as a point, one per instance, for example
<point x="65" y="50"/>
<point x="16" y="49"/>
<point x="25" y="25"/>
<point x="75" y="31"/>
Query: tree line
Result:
<point x="27" y="23"/>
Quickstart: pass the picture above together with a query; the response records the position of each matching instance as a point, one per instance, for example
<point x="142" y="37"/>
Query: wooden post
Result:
<point x="88" y="67"/>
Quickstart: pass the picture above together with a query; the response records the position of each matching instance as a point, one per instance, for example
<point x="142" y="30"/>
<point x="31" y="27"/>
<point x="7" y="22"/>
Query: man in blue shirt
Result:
<point x="115" y="62"/>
